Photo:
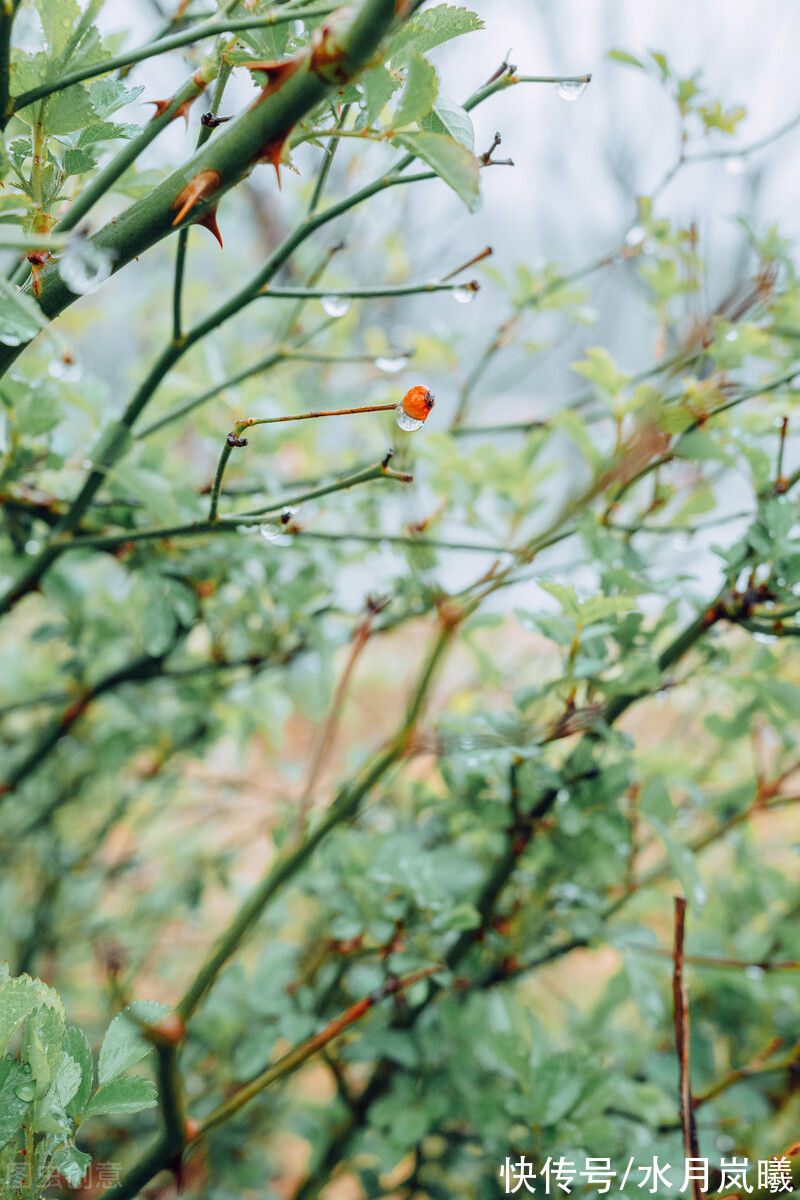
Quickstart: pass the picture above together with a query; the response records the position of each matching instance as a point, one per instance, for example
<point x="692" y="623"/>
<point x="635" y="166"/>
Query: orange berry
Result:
<point x="417" y="403"/>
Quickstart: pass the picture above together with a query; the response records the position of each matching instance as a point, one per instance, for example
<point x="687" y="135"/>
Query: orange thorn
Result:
<point x="272" y="151"/>
<point x="209" y="222"/>
<point x="204" y="184"/>
<point x="276" y="72"/>
<point x="182" y="110"/>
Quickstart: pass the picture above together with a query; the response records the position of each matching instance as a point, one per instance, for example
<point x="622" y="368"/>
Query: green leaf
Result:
<point x="77" y="162"/>
<point x="42" y="1035"/>
<point x="58" y="18"/>
<point x="66" y="1081"/>
<point x="13" y="1102"/>
<point x="72" y="1163"/>
<point x="75" y="1044"/>
<point x="419" y="92"/>
<point x="599" y="368"/>
<point x="128" y="1094"/>
<point x="18" y="999"/>
<point x="379" y="86"/>
<point x="20" y="318"/>
<point x="69" y="110"/>
<point x="627" y="59"/>
<point x="451" y="161"/>
<point x="433" y="27"/>
<point x="448" y="117"/>
<point x="123" y="1044"/>
<point x="109" y="95"/>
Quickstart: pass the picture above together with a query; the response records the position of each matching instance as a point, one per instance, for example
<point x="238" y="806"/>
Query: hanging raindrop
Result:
<point x="335" y="306"/>
<point x="571" y="89"/>
<point x="84" y="266"/>
<point x="275" y="535"/>
<point x="736" y="164"/>
<point x="464" y="295"/>
<point x="635" y="235"/>
<point x="66" y="368"/>
<point x="406" y="422"/>
<point x="415" y="408"/>
<point x="26" y="1089"/>
<point x="390" y="366"/>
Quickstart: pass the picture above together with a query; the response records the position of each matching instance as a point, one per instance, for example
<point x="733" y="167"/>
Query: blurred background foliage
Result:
<point x="611" y="456"/>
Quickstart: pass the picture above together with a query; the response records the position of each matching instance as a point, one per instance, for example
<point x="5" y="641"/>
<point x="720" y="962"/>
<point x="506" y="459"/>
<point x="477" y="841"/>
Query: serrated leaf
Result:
<point x="72" y="1163"/>
<point x="448" y="117"/>
<point x="123" y="1044"/>
<point x="433" y="27"/>
<point x="77" y="162"/>
<point x="109" y="95"/>
<point x="42" y="1035"/>
<point x="127" y="1094"/>
<point x="66" y="1081"/>
<point x="19" y="997"/>
<point x="77" y="1046"/>
<point x="58" y="18"/>
<point x="379" y="86"/>
<point x="419" y="92"/>
<point x="451" y="161"/>
<point x="13" y="1104"/>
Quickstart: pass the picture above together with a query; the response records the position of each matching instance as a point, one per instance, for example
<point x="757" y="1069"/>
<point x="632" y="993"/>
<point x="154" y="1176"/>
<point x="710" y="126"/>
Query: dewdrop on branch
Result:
<point x="65" y="368"/>
<point x="84" y="266"/>
<point x="335" y="306"/>
<point x="465" y="294"/>
<point x="391" y="366"/>
<point x="571" y="89"/>
<point x="415" y="409"/>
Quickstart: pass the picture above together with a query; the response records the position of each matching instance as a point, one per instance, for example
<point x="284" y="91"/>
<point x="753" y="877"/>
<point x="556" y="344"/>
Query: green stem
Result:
<point x="362" y="293"/>
<point x="169" y="1147"/>
<point x="8" y="10"/>
<point x="183" y="235"/>
<point x="131" y="151"/>
<point x="327" y="162"/>
<point x="29" y="580"/>
<point x="229" y="524"/>
<point x="343" y="808"/>
<point x="174" y="42"/>
<point x="295" y="1058"/>
<point x="398" y="539"/>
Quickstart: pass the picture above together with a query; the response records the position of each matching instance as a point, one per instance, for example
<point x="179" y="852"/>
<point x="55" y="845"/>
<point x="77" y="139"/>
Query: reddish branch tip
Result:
<point x="191" y="1129"/>
<point x="170" y="1029"/>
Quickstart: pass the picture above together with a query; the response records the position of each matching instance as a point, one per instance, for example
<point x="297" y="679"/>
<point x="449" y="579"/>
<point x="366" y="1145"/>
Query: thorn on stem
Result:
<point x="233" y="440"/>
<point x="387" y="458"/>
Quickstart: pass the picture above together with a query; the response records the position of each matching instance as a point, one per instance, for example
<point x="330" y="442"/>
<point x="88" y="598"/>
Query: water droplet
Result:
<point x="275" y="535"/>
<point x="66" y="368"/>
<point x="335" y="306"/>
<point x="406" y="422"/>
<point x="26" y="1089"/>
<point x="32" y="546"/>
<point x="9" y="338"/>
<point x="84" y="266"/>
<point x="464" y="295"/>
<point x="635" y="235"/>
<point x="732" y="335"/>
<point x="736" y="164"/>
<point x="390" y="366"/>
<point x="754" y="972"/>
<point x="571" y="89"/>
